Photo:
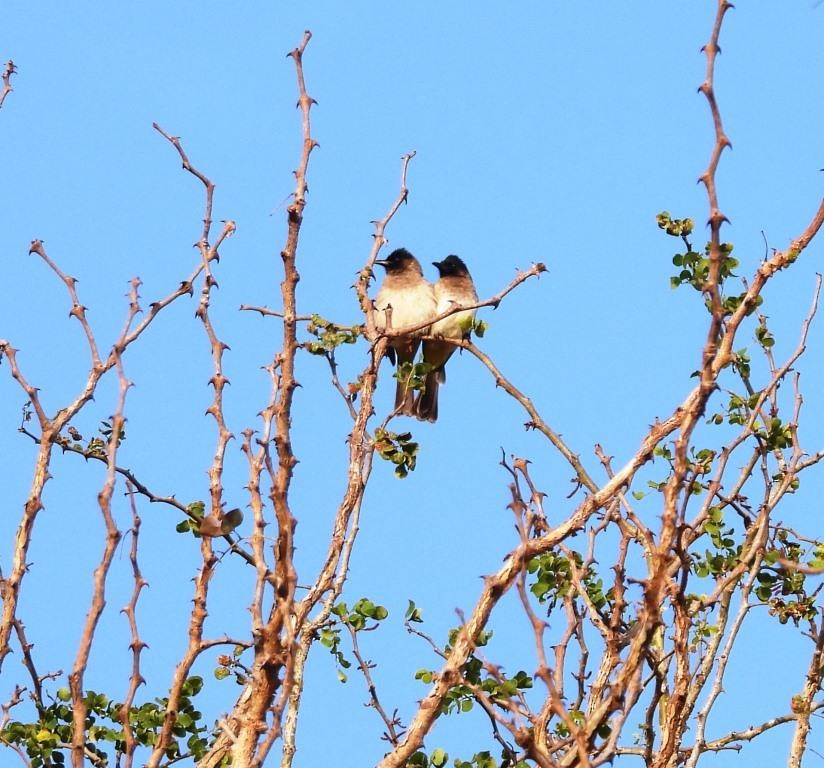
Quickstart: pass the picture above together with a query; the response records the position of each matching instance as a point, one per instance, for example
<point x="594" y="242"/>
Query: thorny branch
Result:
<point x="663" y="557"/>
<point x="658" y="636"/>
<point x="327" y="586"/>
<point x="393" y="725"/>
<point x="137" y="644"/>
<point x="93" y="452"/>
<point x="247" y="735"/>
<point x="51" y="427"/>
<point x="98" y="601"/>
<point x="209" y="253"/>
<point x="8" y="71"/>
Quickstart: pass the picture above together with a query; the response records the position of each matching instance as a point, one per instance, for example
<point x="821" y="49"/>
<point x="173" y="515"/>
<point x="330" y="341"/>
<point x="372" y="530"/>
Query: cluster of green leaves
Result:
<point x="724" y="555"/>
<point x="357" y="618"/>
<point x="731" y="303"/>
<point x="439" y="758"/>
<point x="330" y="637"/>
<point x="578" y="719"/>
<point x="228" y="665"/>
<point x="675" y="227"/>
<point x="694" y="267"/>
<point x="773" y="433"/>
<point x="197" y="510"/>
<point x="413" y="613"/>
<point x="45" y="740"/>
<point x="420" y="759"/>
<point x="664" y="452"/>
<point x="413" y="375"/>
<point x="397" y="448"/>
<point x="106" y="429"/>
<point x="553" y="580"/>
<point x="460" y="698"/>
<point x="95" y="446"/>
<point x="329" y="336"/>
<point x="553" y="577"/>
<point x="738" y="410"/>
<point x="741" y="363"/>
<point x="784" y="589"/>
<point x="485" y="760"/>
<point x="763" y="335"/>
<point x="498" y="687"/>
<point x="470" y="325"/>
<point x="702" y="631"/>
<point x="362" y="611"/>
<point x="482" y="639"/>
<point x="699" y="463"/>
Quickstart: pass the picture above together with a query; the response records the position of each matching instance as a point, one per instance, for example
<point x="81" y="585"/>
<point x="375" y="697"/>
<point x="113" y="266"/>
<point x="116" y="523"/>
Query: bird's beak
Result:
<point x="382" y="262"/>
<point x="436" y="264"/>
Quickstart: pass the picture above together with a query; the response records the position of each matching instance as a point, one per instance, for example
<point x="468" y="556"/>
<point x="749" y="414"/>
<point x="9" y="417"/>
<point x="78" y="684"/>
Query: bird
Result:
<point x="455" y="286"/>
<point x="412" y="301"/>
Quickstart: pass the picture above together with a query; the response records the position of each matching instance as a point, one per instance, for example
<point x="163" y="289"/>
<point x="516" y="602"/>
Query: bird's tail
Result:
<point x="426" y="406"/>
<point x="404" y="399"/>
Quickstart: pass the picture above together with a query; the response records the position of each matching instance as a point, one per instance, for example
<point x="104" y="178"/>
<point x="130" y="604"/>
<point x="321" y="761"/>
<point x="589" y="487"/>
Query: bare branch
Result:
<point x="98" y="602"/>
<point x="393" y="725"/>
<point x="78" y="310"/>
<point x="8" y="71"/>
<point x="802" y="704"/>
<point x="136" y="645"/>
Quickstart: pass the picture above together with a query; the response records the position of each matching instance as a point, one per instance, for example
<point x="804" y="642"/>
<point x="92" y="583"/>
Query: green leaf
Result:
<point x="192" y="686"/>
<point x="197" y="509"/>
<point x="438" y="758"/>
<point x="364" y="607"/>
<point x="413" y="613"/>
<point x="424" y="675"/>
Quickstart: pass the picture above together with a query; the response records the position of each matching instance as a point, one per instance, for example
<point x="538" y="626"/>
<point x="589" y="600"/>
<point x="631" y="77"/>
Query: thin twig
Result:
<point x="136" y="645"/>
<point x="8" y="71"/>
<point x="196" y="644"/>
<point x="393" y="726"/>
<point x="98" y="601"/>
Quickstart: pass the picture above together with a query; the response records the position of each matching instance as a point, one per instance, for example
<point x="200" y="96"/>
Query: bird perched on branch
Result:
<point x="405" y="298"/>
<point x="455" y="288"/>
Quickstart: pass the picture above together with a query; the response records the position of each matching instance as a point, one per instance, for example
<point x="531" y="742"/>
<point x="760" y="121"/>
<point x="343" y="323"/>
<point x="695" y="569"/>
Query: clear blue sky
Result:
<point x="546" y="132"/>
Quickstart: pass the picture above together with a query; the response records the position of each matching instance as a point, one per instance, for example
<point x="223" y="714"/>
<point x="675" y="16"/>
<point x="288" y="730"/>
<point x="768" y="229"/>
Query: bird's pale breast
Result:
<point x="410" y="305"/>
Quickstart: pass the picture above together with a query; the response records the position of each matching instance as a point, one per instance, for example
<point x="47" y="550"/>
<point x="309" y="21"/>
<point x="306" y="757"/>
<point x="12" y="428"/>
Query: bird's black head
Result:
<point x="397" y="261"/>
<point x="451" y="265"/>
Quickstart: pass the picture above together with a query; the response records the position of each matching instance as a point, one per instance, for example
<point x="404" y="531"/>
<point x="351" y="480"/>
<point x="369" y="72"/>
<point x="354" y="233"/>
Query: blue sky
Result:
<point x="546" y="132"/>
